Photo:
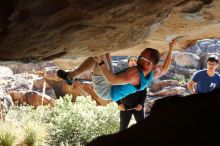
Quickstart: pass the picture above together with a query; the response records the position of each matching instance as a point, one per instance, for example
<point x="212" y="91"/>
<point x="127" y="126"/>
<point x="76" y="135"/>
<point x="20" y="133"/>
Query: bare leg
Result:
<point x="88" y="65"/>
<point x="107" y="59"/>
<point x="97" y="70"/>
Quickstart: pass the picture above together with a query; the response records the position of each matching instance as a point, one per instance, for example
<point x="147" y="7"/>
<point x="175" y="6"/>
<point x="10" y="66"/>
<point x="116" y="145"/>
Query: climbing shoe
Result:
<point x="63" y="75"/>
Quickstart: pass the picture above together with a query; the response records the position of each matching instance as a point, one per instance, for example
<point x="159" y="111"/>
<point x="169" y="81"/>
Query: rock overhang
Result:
<point x="33" y="31"/>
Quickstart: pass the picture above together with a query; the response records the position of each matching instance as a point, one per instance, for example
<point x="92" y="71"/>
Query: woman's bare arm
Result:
<point x="161" y="70"/>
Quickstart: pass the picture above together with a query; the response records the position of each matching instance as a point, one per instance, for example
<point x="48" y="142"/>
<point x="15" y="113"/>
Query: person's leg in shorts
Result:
<point x="101" y="86"/>
<point x="90" y="65"/>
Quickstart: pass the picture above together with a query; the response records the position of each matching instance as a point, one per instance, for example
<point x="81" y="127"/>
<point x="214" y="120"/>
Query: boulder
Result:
<point x="33" y="98"/>
<point x="184" y="71"/>
<point x="83" y="89"/>
<point x="5" y="100"/>
<point x="205" y="46"/>
<point x="195" y="50"/>
<point x="186" y="60"/>
<point x="163" y="84"/>
<point x="190" y="120"/>
<point x="5" y="72"/>
<point x="40" y="84"/>
<point x="19" y="67"/>
<point x="169" y="91"/>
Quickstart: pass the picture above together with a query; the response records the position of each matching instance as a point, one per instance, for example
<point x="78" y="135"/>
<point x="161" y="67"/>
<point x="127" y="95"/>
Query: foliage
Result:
<point x="82" y="121"/>
<point x="67" y="123"/>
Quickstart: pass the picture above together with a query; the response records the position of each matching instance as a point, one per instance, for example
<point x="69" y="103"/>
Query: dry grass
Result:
<point x="35" y="134"/>
<point x="8" y="134"/>
<point x="30" y="134"/>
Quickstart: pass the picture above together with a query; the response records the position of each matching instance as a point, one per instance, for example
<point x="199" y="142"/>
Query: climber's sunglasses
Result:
<point x="141" y="57"/>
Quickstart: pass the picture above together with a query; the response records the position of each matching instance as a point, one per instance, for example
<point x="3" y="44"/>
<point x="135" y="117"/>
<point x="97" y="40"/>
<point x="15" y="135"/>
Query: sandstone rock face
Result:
<point x="44" y="29"/>
<point x="192" y="19"/>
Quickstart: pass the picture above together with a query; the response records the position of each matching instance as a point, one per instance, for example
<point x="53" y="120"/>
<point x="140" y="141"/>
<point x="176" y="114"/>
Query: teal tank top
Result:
<point x="120" y="91"/>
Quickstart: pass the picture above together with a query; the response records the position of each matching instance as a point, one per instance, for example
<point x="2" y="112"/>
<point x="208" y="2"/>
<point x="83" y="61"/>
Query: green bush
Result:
<point x="82" y="121"/>
<point x="68" y="123"/>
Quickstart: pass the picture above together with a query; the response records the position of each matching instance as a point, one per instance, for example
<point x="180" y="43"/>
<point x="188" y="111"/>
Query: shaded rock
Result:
<point x="205" y="46"/>
<point x="195" y="50"/>
<point x="169" y="75"/>
<point x="168" y="91"/>
<point x="32" y="31"/>
<point x="184" y="71"/>
<point x="44" y="29"/>
<point x="211" y="48"/>
<point x="21" y="81"/>
<point x="41" y="86"/>
<point x="82" y="89"/>
<point x="187" y="60"/>
<point x="26" y="67"/>
<point x="5" y="100"/>
<point x="162" y="84"/>
<point x="192" y="7"/>
<point x="173" y="119"/>
<point x="217" y="48"/>
<point x="148" y="106"/>
<point x="27" y="83"/>
<point x="5" y="103"/>
<point x="33" y="98"/>
<point x="207" y="2"/>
